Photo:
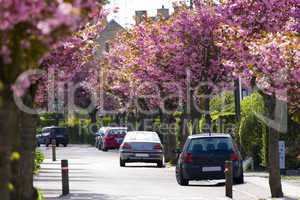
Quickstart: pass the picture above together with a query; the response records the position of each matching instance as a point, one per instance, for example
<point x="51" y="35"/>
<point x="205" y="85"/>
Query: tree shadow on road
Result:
<point x="92" y="196"/>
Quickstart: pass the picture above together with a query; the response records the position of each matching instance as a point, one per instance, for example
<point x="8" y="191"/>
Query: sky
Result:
<point x="127" y="9"/>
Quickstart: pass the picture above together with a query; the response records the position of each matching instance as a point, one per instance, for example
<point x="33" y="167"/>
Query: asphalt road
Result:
<point x="96" y="175"/>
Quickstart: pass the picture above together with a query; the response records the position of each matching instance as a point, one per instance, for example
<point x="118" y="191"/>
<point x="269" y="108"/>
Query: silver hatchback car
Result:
<point x="142" y="146"/>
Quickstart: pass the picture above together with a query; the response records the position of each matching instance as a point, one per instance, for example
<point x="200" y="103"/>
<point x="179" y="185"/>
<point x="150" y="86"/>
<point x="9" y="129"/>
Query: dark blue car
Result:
<point x="203" y="158"/>
<point x="53" y="133"/>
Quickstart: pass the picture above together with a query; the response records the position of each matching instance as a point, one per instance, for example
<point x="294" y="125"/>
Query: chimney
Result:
<point x="140" y="15"/>
<point x="163" y="13"/>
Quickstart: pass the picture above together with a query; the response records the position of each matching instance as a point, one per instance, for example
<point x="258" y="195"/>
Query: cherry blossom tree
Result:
<point x="172" y="59"/>
<point x="262" y="43"/>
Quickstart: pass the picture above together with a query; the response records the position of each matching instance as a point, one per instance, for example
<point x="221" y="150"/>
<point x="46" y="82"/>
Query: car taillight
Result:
<point x="234" y="157"/>
<point x="187" y="158"/>
<point x="126" y="146"/>
<point x="157" y="147"/>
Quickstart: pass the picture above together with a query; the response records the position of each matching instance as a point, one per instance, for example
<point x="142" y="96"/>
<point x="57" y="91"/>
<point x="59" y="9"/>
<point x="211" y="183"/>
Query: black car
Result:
<point x="203" y="158"/>
<point x="51" y="133"/>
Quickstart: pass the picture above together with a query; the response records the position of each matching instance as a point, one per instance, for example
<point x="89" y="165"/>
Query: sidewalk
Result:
<point x="291" y="188"/>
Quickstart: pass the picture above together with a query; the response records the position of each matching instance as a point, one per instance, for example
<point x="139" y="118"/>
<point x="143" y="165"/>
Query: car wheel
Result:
<point x="122" y="163"/>
<point x="99" y="146"/>
<point x="65" y="145"/>
<point x="103" y="147"/>
<point x="180" y="180"/>
<point x="240" y="179"/>
<point x="57" y="144"/>
<point x="160" y="164"/>
<point x="38" y="144"/>
<point x="47" y="144"/>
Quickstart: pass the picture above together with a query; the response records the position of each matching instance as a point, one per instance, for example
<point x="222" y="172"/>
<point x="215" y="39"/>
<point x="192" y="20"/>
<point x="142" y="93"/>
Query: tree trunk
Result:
<point x="93" y="116"/>
<point x="23" y="176"/>
<point x="24" y="144"/>
<point x="195" y="125"/>
<point x="8" y="126"/>
<point x="183" y="130"/>
<point x="207" y="115"/>
<point x="274" y="168"/>
<point x="141" y="122"/>
<point x="169" y="137"/>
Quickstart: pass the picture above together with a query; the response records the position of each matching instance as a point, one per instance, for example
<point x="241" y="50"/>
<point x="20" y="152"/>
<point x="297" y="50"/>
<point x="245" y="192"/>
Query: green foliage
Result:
<point x="48" y="119"/>
<point x="222" y="112"/>
<point x="39" y="158"/>
<point x="252" y="104"/>
<point x="40" y="195"/>
<point x="79" y="131"/>
<point x="252" y="131"/>
<point x="264" y="149"/>
<point x="292" y="142"/>
<point x="222" y="103"/>
<point x="106" y="121"/>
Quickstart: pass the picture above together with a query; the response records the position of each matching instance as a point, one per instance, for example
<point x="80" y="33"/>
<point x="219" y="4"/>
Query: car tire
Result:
<point x="38" y="144"/>
<point x="65" y="145"/>
<point x="103" y="148"/>
<point x="99" y="146"/>
<point x="122" y="163"/>
<point x="240" y="179"/>
<point x="160" y="164"/>
<point x="47" y="144"/>
<point x="180" y="180"/>
<point x="57" y="144"/>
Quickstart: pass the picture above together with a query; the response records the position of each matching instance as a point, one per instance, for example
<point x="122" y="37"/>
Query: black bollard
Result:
<point x="65" y="177"/>
<point x="53" y="143"/>
<point x="228" y="179"/>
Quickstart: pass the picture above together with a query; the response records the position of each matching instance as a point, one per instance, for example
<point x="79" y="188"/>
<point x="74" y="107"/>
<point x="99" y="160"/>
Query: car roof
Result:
<point x="141" y="132"/>
<point x="117" y="128"/>
<point x="48" y="127"/>
<point x="208" y="135"/>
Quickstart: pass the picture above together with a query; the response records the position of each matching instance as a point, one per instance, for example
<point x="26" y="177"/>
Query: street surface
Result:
<point x="97" y="175"/>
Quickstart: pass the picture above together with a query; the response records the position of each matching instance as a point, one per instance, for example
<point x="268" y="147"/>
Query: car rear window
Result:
<point x="117" y="131"/>
<point x="210" y="145"/>
<point x="58" y="131"/>
<point x="146" y="137"/>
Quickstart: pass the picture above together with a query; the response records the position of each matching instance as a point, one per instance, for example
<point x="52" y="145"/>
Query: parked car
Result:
<point x="99" y="135"/>
<point x="112" y="138"/>
<point x="203" y="158"/>
<point x="39" y="140"/>
<point x="142" y="146"/>
<point x="53" y="132"/>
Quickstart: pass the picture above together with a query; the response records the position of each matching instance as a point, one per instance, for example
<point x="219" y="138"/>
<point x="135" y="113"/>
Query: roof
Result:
<point x="50" y="127"/>
<point x="137" y="132"/>
<point x="205" y="135"/>
<point x="113" y="23"/>
<point x="113" y="127"/>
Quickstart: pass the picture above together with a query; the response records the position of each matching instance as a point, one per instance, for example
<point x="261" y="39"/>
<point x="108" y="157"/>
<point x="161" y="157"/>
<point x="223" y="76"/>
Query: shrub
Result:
<point x="39" y="158"/>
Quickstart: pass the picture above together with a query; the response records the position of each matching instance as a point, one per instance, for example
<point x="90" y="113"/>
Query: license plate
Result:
<point x="211" y="169"/>
<point x="141" y="155"/>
